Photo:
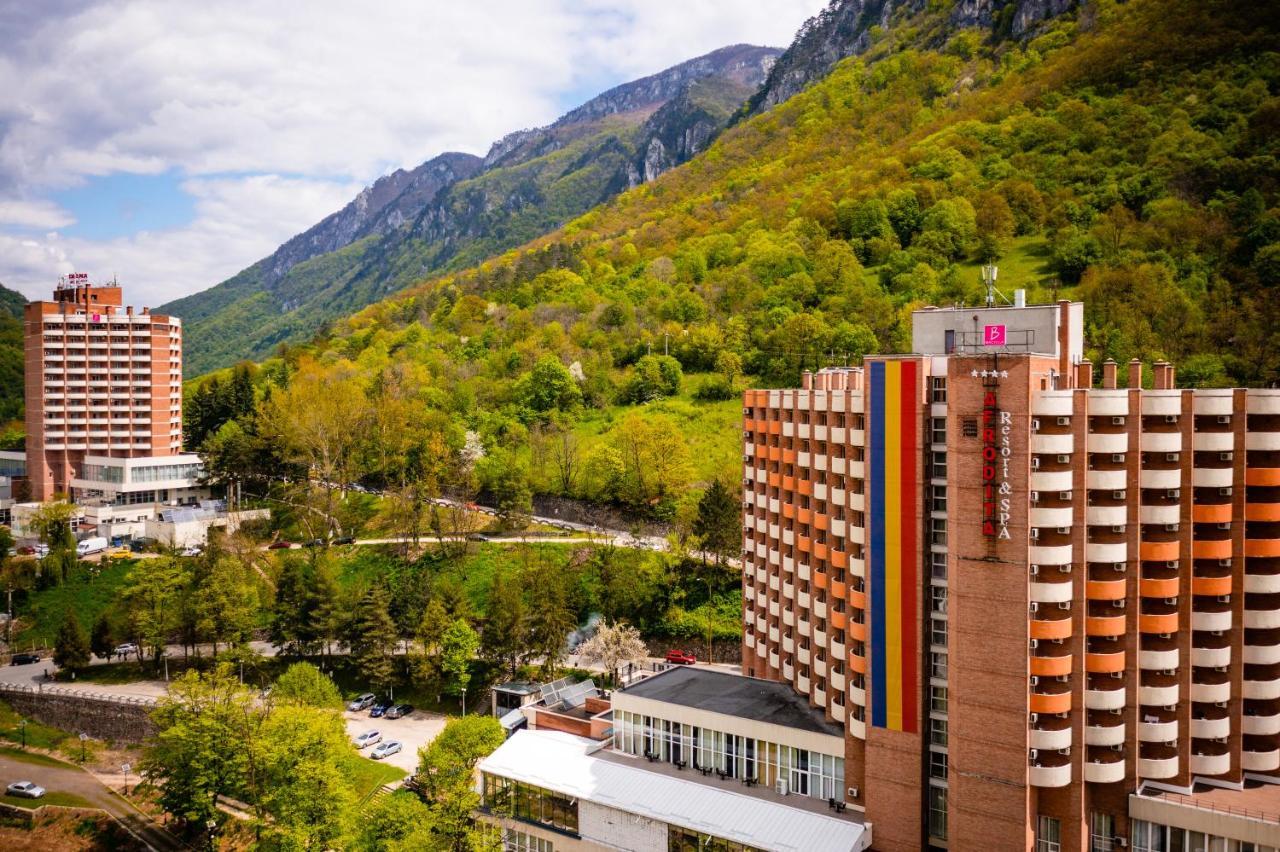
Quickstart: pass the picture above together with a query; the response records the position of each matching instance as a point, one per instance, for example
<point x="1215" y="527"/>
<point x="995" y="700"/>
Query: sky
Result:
<point x="171" y="143"/>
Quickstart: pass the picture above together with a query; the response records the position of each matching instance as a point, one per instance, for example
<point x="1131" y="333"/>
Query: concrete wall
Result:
<point x="103" y="718"/>
<point x="617" y="829"/>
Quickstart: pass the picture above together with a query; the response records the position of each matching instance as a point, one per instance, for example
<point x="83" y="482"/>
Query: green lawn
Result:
<point x="31" y="757"/>
<point x="86" y="594"/>
<point x="1025" y="266"/>
<point x="368" y="775"/>
<point x="40" y="737"/>
<point x="53" y="797"/>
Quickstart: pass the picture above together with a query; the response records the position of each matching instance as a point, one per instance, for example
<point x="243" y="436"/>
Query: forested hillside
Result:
<point x="10" y="357"/>
<point x="1124" y="155"/>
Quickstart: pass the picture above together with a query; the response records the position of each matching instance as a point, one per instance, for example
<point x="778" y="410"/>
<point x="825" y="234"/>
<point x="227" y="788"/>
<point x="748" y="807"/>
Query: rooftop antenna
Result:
<point x="989" y="271"/>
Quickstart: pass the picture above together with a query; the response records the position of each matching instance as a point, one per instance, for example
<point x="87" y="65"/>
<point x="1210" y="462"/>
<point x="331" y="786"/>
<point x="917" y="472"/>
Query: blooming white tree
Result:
<point x="614" y="645"/>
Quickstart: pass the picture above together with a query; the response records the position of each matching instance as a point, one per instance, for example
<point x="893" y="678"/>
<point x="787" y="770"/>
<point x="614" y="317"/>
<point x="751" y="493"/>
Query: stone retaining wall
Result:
<point x="101" y="716"/>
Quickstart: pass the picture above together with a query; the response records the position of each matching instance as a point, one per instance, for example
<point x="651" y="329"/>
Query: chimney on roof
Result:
<point x="806" y="380"/>
<point x="1084" y="374"/>
<point x="1135" y="373"/>
<point x="1064" y="339"/>
<point x="1163" y="371"/>
<point x="1109" y="370"/>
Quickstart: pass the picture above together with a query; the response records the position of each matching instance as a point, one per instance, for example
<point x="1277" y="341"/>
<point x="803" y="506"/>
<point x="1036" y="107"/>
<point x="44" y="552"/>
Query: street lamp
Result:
<point x="83" y="737"/>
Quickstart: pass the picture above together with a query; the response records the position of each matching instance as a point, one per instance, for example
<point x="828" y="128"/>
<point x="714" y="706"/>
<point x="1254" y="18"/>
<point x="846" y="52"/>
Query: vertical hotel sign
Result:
<point x="894" y="540"/>
<point x="997" y="428"/>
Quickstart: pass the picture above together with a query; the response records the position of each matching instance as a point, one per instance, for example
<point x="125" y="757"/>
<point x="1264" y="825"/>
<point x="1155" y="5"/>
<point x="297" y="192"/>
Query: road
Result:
<point x="71" y="779"/>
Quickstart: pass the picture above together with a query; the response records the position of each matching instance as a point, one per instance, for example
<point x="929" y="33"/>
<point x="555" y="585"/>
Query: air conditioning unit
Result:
<point x="1219" y="704"/>
<point x="1171" y="527"/>
<point x="1035" y="753"/>
<point x="1064" y="495"/>
<point x="1224" y="418"/>
<point x="1121" y="567"/>
<point x="1171" y="457"/>
<point x="1035" y="643"/>
<point x="1215" y="632"/>
<point x="1118" y="458"/>
<point x="1224" y="526"/>
<point x="1064" y="530"/>
<point x="1035" y="463"/>
<point x="1171" y="418"/>
<point x="1224" y="456"/>
<point x="1117" y="675"/>
<point x="1064" y="421"/>
<point x="1035" y="680"/>
<point x="1035" y="569"/>
<point x="1220" y="668"/>
<point x="1035" y="496"/>
<point x="1120" y="604"/>
<point x="1166" y="635"/>
<point x="1117" y="747"/>
<point x="1173" y="494"/>
<point x="1064" y="459"/>
<point x="1224" y="598"/>
<point x="1035" y="425"/>
<point x="1034" y="606"/>
<point x="1066" y="752"/>
<point x="1170" y="672"/>
<point x="853" y="792"/>
<point x="1064" y="605"/>
<point x="1035" y="533"/>
<point x="1171" y="601"/>
<point x="780" y="786"/>
<point x="1063" y="678"/>
<point x="1065" y="569"/>
<point x="1117" y="421"/>
<point x="1117" y="495"/>
<point x="1117" y="528"/>
<point x="1225" y="563"/>
<point x="1035" y="717"/>
<point x="1122" y="842"/>
<point x="1225" y="492"/>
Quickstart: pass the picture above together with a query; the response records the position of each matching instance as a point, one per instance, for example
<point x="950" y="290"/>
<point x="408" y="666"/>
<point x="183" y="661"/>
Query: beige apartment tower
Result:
<point x="1036" y="595"/>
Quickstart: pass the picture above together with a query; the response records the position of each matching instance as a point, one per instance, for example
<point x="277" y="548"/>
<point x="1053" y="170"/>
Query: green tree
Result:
<point x="302" y="781"/>
<point x="71" y="650"/>
<point x="719" y="522"/>
<point x="549" y="386"/>
<point x="152" y="597"/>
<point x="293" y="627"/>
<point x="373" y="638"/>
<point x="503" y="635"/>
<point x="550" y="618"/>
<point x="225" y="602"/>
<point x="458" y="648"/>
<point x="653" y="377"/>
<point x="449" y="761"/>
<point x="305" y="685"/>
<point x="102" y="640"/>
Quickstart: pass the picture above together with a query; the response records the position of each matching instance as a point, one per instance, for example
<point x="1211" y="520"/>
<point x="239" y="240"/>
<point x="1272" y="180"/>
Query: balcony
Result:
<point x="1154" y="585"/>
<point x="1106" y="480"/>
<point x="1262" y="402"/>
<point x="1157" y="761"/>
<point x="1051" y="480"/>
<point x="1211" y="584"/>
<point x="1158" y="659"/>
<point x="1054" y="404"/>
<point x="1056" y="554"/>
<point x="1051" y="517"/>
<point x="1046" y="444"/>
<point x="1104" y="662"/>
<point x="1260" y="724"/>
<point x="1106" y="622"/>
<point x="1108" y="443"/>
<point x="1260" y="613"/>
<point x="1106" y="516"/>
<point x="1262" y="441"/>
<point x="1049" y="770"/>
<point x="1211" y="691"/>
<point x="1217" y="403"/>
<point x="1260" y="687"/>
<point x="1161" y="403"/>
<point x="1162" y="442"/>
<point x="1044" y="627"/>
<point x="1214" y="442"/>
<point x="1109" y="403"/>
<point x="1109" y="589"/>
<point x="1211" y="548"/>
<point x="1262" y="512"/>
<point x="1262" y="476"/>
<point x="1158" y="692"/>
<point x="1050" y="734"/>
<point x="1261" y="651"/>
<point x="1211" y="658"/>
<point x="1161" y="478"/>
<point x="1106" y="551"/>
<point x="1159" y="551"/>
<point x="1104" y="729"/>
<point x="1046" y="593"/>
<point x="1262" y="760"/>
<point x="1215" y="762"/>
<point x="1051" y="660"/>
<point x="1258" y="582"/>
<point x="1053" y="697"/>
<point x="1105" y="698"/>
<point x="1212" y="728"/>
<point x="1158" y="727"/>
<point x="1104" y="767"/>
<point x="1158" y="622"/>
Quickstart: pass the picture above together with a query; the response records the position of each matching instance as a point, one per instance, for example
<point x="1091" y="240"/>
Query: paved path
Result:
<point x="71" y="779"/>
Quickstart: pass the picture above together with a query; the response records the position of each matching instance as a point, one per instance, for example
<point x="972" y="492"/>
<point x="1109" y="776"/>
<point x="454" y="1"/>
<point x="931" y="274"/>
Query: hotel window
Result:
<point x="938" y="385"/>
<point x="681" y="839"/>
<point x="938" y="595"/>
<point x="938" y="812"/>
<point x="937" y="699"/>
<point x="938" y="566"/>
<point x="938" y="665"/>
<point x="518" y="841"/>
<point x="938" y="426"/>
<point x="938" y="632"/>
<point x="938" y="499"/>
<point x="938" y="468"/>
<point x="938" y="765"/>
<point x="938" y="531"/>
<point x="1102" y="832"/>
<point x="1048" y="835"/>
<point x="530" y="803"/>
<point x="938" y="732"/>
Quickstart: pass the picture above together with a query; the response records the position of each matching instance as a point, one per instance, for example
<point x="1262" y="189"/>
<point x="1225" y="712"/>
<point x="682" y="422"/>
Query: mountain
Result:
<point x="849" y="28"/>
<point x="11" y="364"/>
<point x="457" y="209"/>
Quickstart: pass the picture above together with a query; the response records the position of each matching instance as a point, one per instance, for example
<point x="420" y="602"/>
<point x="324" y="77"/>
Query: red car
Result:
<point x="280" y="545"/>
<point x="683" y="658"/>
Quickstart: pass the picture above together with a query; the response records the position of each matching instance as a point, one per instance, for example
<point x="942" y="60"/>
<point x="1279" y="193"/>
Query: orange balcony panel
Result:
<point x="1104" y="625"/>
<point x="1057" y="629"/>
<point x="775" y="427"/>
<point x="1262" y="547"/>
<point x="839" y="590"/>
<point x="857" y="631"/>
<point x="773" y="453"/>
<point x="788" y="510"/>
<point x="858" y="599"/>
<point x="788" y="483"/>
<point x="1051" y="666"/>
<point x="775" y="479"/>
<point x="1211" y="585"/>
<point x="789" y="456"/>
<point x="1104" y="663"/>
<point x="1211" y="548"/>
<point x="1057" y="703"/>
<point x="1262" y="476"/>
<point x="1265" y="512"/>
<point x="1211" y="513"/>
<point x="857" y="664"/>
<point x="1104" y="590"/>
<point x="838" y="620"/>
<point x="819" y="580"/>
<point x="803" y="544"/>
<point x="821" y="521"/>
<point x="748" y="425"/>
<point x="839" y="558"/>
<point x="1159" y="551"/>
<point x="1166" y="623"/>
<point x="819" y="551"/>
<point x="1158" y="587"/>
<point x="804" y="516"/>
<point x="804" y="486"/>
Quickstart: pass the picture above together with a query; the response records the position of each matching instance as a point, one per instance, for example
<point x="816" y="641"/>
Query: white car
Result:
<point x="127" y="649"/>
<point x="192" y="550"/>
<point x="25" y="789"/>
<point x="385" y="750"/>
<point x="368" y="738"/>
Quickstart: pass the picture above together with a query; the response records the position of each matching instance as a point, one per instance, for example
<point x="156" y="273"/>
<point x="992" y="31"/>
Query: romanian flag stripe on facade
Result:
<point x="894" y="544"/>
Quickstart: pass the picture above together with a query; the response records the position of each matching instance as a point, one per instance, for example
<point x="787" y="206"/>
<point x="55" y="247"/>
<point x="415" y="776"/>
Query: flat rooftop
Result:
<point x="735" y="695"/>
<point x="1255" y="801"/>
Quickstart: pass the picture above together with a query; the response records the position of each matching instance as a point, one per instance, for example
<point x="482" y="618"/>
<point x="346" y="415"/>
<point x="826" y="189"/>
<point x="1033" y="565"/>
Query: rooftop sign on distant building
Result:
<point x="993" y="335"/>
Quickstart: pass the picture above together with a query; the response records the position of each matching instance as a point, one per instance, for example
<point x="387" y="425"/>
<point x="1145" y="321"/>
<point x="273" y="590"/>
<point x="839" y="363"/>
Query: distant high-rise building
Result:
<point x="103" y="382"/>
<point x="1041" y="610"/>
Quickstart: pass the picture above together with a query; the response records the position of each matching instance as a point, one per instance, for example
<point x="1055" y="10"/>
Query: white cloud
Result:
<point x="34" y="214"/>
<point x="332" y="92"/>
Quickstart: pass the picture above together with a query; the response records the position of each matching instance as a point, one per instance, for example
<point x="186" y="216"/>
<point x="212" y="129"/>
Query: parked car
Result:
<point x="280" y="545"/>
<point x="192" y="550"/>
<point x="368" y="738"/>
<point x="379" y="709"/>
<point x="363" y="701"/>
<point x="25" y="789"/>
<point x="120" y="553"/>
<point x="24" y="659"/>
<point x="399" y="711"/>
<point x="26" y="550"/>
<point x="344" y="539"/>
<point x="385" y="750"/>
<point x="127" y="649"/>
<point x="91" y="545"/>
<point x="682" y="658"/>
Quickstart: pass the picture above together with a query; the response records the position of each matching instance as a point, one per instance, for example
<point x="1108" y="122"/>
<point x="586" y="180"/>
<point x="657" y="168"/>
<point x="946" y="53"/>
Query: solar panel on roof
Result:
<point x="577" y="694"/>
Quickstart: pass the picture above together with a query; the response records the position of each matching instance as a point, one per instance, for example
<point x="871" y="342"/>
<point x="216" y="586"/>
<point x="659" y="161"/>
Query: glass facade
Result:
<point x="518" y="841"/>
<point x="687" y="840"/>
<point x="529" y="803"/>
<point x="1153" y="837"/>
<point x="808" y="773"/>
<point x="102" y="473"/>
<point x="162" y="472"/>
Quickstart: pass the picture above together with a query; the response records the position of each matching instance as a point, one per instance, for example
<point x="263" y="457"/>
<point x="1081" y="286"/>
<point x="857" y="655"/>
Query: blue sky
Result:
<point x="174" y="144"/>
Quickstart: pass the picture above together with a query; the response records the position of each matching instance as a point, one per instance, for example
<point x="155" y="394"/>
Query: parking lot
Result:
<point x="415" y="731"/>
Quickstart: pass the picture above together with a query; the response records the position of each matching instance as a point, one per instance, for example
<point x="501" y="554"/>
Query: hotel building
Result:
<point x="1041" y="602"/>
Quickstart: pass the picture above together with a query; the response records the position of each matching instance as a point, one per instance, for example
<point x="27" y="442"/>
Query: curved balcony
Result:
<point x="1104" y="699"/>
<point x="1056" y="774"/>
<point x="1159" y="587"/>
<point x="1170" y="514"/>
<point x="1211" y="548"/>
<point x="1050" y="737"/>
<point x="1211" y="513"/>
<point x="1051" y="404"/>
<point x="1108" y="443"/>
<point x="1161" y="403"/>
<point x="1162" y="442"/>
<point x="1051" y="702"/>
<point x="1050" y="480"/>
<point x="1262" y="584"/>
<point x="1211" y="692"/>
<point x="1262" y="441"/>
<point x="1214" y="442"/>
<point x="1161" y="478"/>
<point x="1052" y="666"/>
<point x="1106" y="516"/>
<point x="1262" y="401"/>
<point x="1260" y="619"/>
<point x="1262" y="547"/>
<point x="1218" y="763"/>
<point x="1109" y="624"/>
<point x="1264" y="476"/>
<point x="1213" y="402"/>
<point x="1109" y="403"/>
<point x="1098" y="734"/>
<point x="1260" y="652"/>
<point x="1051" y="592"/>
<point x="1106" y="767"/>
<point x="1212" y="477"/>
<point x="1100" y="551"/>
<point x="1158" y="696"/>
<point x="1051" y="628"/>
<point x="1260" y="690"/>
<point x="1053" y="554"/>
<point x="1211" y="586"/>
<point x="1158" y="622"/>
<point x="1106" y="480"/>
<point x="1050" y="516"/>
<point x="1211" y="729"/>
<point x="1260" y="725"/>
<point x="1104" y="663"/>
<point x="1105" y="590"/>
<point x="1159" y="551"/>
<point x="1158" y="730"/>
<point x="1043" y="443"/>
<point x="1262" y="512"/>
<point x="1211" y="658"/>
<point x="1266" y="760"/>
<point x="1219" y="620"/>
<point x="1158" y="660"/>
<point x="1157" y="762"/>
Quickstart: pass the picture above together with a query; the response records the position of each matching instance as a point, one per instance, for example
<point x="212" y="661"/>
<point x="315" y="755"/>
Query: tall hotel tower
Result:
<point x="1046" y="614"/>
<point x="102" y="381"/>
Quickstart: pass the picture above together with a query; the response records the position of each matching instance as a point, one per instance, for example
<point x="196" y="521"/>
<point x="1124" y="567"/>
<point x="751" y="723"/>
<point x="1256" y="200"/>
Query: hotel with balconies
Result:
<point x="104" y="405"/>
<point x="1042" y="601"/>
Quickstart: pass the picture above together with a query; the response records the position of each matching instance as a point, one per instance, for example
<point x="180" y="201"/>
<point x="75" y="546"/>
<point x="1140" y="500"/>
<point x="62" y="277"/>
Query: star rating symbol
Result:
<point x="993" y="374"/>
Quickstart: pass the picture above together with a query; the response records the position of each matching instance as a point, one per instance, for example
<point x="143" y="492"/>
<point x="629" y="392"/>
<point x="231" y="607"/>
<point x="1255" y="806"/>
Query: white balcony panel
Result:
<point x="1211" y="657"/>
<point x="1161" y="478"/>
<point x="1211" y="691"/>
<point x="1261" y="619"/>
<point x="1160" y="514"/>
<point x="1161" y="403"/>
<point x="1261" y="655"/>
<point x="1060" y="516"/>
<point x="1050" y="740"/>
<point x="1108" y="403"/>
<point x="1108" y="443"/>
<point x="1215" y="401"/>
<point x="1211" y="620"/>
<point x="1062" y="444"/>
<point x="1260" y="401"/>
<point x="1262" y="690"/>
<point x="1106" y="480"/>
<point x="1162" y="442"/>
<point x="1104" y="699"/>
<point x="1210" y="764"/>
<point x="1158" y="659"/>
<point x="1049" y="776"/>
<point x="1260" y="761"/>
<point x="1263" y="584"/>
<point x="1166" y="767"/>
<point x="1158" y="732"/>
<point x="1059" y="554"/>
<point x="1158" y="696"/>
<point x="1104" y="735"/>
<point x="1096" y="551"/>
<point x="1106" y="516"/>
<point x="1212" y="477"/>
<point x="1051" y="592"/>
<point x="1051" y="404"/>
<point x="1050" y="480"/>
<point x="1209" y="729"/>
<point x="1214" y="442"/>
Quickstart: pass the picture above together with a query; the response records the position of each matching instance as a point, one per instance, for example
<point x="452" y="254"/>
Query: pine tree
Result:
<point x="718" y="522"/>
<point x="102" y="640"/>
<point x="373" y="638"/>
<point x="503" y="637"/>
<point x="71" y="651"/>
